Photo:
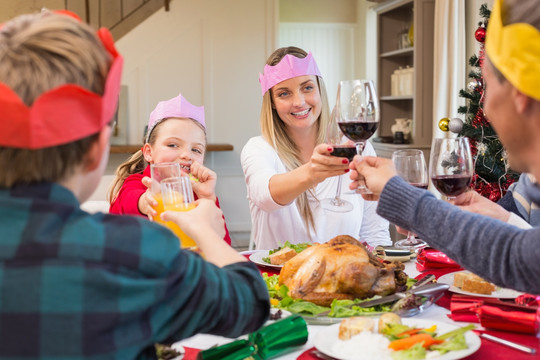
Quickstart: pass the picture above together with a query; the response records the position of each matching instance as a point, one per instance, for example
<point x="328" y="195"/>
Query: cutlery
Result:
<point x="426" y="289"/>
<point x="508" y="343"/>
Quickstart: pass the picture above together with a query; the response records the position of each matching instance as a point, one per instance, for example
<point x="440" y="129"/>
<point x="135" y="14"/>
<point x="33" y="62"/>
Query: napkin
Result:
<point x="266" y="343"/>
<point x="429" y="258"/>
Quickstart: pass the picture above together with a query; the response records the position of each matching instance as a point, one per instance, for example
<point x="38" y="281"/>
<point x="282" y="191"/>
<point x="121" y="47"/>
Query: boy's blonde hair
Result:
<point x="274" y="131"/>
<point x="39" y="52"/>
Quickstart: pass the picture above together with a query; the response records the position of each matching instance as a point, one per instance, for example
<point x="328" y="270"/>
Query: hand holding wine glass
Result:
<point x="411" y="166"/>
<point x="335" y="138"/>
<point x="451" y="167"/>
<point x="358" y="106"/>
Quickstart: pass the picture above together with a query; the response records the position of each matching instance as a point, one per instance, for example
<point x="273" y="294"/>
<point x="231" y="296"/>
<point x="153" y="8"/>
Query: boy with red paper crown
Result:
<point x="75" y="285"/>
<point x="176" y="133"/>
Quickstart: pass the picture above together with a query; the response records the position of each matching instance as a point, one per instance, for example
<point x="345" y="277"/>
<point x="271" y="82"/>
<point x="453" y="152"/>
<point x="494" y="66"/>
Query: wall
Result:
<point x="211" y="52"/>
<point x="318" y="11"/>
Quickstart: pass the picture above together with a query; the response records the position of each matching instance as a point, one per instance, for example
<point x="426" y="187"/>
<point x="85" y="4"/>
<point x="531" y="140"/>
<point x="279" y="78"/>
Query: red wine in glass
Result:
<point x="451" y="185"/>
<point x="358" y="131"/>
<point x="451" y="166"/>
<point x="357" y="106"/>
<point x="346" y="151"/>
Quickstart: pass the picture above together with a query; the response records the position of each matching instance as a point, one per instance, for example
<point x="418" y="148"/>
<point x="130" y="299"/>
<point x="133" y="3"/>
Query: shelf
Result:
<point x="130" y="149"/>
<point x="397" y="53"/>
<point x="394" y="98"/>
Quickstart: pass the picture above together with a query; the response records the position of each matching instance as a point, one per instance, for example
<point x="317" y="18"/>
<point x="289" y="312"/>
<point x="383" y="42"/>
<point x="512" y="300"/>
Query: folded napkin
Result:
<point x="429" y="258"/>
<point x="270" y="341"/>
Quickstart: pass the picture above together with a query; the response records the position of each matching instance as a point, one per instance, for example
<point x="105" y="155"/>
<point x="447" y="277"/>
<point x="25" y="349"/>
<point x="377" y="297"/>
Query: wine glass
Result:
<point x="358" y="113"/>
<point x="335" y="138"/>
<point x="451" y="167"/>
<point x="411" y="166"/>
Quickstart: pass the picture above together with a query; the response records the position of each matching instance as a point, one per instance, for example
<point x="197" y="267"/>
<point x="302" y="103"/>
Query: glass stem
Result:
<point x="359" y="148"/>
<point x="338" y="191"/>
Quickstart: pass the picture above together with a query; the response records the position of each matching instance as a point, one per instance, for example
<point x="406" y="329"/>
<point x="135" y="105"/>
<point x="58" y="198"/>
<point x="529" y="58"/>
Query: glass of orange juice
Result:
<point x="172" y="191"/>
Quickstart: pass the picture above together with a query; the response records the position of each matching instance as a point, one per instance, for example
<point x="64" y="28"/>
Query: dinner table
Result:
<point x="438" y="312"/>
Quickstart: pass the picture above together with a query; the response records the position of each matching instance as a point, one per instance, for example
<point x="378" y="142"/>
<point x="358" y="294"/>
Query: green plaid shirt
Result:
<point x="80" y="286"/>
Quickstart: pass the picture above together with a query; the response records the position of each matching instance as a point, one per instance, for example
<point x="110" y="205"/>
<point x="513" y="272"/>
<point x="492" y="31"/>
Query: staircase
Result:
<point x="119" y="16"/>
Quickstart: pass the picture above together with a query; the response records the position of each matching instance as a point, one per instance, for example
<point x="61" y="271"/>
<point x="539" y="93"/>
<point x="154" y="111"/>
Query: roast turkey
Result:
<point x="340" y="269"/>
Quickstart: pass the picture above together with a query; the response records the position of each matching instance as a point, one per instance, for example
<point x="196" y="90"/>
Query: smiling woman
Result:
<point x="290" y="168"/>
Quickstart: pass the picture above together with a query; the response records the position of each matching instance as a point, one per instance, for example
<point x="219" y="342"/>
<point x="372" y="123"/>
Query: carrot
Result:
<point x="405" y="343"/>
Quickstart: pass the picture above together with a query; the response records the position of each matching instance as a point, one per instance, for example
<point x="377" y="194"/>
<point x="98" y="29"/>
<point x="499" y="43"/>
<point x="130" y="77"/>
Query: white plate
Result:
<point x="499" y="293"/>
<point x="257" y="258"/>
<point x="326" y="338"/>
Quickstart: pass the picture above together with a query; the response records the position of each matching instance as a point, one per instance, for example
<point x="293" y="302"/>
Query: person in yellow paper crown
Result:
<point x="88" y="286"/>
<point x="499" y="252"/>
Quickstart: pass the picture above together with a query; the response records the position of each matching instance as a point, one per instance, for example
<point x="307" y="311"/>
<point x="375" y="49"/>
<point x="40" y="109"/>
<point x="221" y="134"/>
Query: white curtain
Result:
<point x="450" y="62"/>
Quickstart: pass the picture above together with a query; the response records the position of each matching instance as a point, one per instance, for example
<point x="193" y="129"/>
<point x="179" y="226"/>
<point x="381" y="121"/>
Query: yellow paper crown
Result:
<point x="514" y="50"/>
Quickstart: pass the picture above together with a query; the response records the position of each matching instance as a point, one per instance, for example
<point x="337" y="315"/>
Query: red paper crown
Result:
<point x="61" y="115"/>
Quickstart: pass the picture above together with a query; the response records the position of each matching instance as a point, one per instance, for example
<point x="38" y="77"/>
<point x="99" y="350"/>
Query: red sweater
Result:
<point x="128" y="198"/>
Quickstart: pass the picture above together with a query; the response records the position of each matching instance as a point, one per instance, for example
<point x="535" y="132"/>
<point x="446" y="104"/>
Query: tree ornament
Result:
<point x="473" y="84"/>
<point x="455" y="125"/>
<point x="480" y="34"/>
<point x="443" y="124"/>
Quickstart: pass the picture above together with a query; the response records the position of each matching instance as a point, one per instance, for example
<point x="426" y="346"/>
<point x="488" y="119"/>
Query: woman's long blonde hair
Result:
<point x="275" y="132"/>
<point x="137" y="163"/>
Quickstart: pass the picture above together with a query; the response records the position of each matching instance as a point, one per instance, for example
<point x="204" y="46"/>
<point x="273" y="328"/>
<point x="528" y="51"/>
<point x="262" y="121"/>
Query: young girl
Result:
<point x="176" y="133"/>
<point x="289" y="168"/>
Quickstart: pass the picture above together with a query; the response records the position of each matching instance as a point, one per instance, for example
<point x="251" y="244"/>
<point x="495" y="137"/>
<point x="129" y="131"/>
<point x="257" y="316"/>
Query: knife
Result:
<point x="426" y="289"/>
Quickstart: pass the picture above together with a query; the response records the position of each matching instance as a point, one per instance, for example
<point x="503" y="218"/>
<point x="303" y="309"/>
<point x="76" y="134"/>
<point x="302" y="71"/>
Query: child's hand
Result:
<point x="205" y="185"/>
<point x="147" y="203"/>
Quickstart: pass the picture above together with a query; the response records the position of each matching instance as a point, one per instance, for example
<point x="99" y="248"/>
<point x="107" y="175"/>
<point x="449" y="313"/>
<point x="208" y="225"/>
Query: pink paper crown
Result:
<point x="64" y="114"/>
<point x="289" y="67"/>
<point x="177" y="107"/>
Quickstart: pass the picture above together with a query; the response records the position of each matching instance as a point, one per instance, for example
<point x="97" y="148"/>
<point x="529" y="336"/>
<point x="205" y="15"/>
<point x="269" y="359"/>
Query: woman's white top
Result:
<point x="273" y="224"/>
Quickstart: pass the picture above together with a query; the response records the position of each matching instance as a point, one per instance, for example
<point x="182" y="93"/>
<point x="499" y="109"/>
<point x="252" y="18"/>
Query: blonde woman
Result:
<point x="289" y="168"/>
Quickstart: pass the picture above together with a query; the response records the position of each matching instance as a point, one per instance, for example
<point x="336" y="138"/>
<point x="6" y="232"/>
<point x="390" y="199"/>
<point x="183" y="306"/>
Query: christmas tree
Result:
<point x="492" y="175"/>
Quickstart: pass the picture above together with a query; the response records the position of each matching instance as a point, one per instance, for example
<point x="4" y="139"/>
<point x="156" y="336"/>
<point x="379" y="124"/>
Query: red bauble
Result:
<point x="480" y="34"/>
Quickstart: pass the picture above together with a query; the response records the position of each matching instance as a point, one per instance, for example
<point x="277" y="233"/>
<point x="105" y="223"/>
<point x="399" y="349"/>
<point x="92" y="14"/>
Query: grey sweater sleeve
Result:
<point x="499" y="252"/>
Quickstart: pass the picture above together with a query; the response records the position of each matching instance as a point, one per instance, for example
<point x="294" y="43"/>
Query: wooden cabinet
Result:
<point x="394" y="19"/>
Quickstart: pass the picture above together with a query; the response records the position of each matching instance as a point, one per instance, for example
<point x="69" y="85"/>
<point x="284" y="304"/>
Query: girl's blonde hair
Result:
<point x="275" y="133"/>
<point x="136" y="163"/>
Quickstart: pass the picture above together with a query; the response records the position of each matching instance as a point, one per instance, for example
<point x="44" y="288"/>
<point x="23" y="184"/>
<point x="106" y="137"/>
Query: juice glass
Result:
<point x="177" y="195"/>
<point x="169" y="173"/>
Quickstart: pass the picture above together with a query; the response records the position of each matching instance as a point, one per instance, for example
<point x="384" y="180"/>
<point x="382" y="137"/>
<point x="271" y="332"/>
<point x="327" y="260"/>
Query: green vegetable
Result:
<point x="457" y="342"/>
<point x="416" y="352"/>
<point x="391" y="330"/>
<point x="461" y="330"/>
<point x="306" y="307"/>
